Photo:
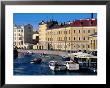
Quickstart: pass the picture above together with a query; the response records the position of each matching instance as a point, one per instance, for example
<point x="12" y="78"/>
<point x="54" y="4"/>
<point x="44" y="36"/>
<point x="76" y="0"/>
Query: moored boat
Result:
<point x="66" y="58"/>
<point x="72" y="65"/>
<point x="36" y="61"/>
<point x="28" y="53"/>
<point x="55" y="66"/>
<point x="93" y="69"/>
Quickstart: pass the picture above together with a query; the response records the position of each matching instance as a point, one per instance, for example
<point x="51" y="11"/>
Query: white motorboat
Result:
<point x="55" y="66"/>
<point x="72" y="65"/>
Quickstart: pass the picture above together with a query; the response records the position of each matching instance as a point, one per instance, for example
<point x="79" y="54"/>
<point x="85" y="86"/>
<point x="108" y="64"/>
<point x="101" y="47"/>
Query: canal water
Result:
<point x="22" y="66"/>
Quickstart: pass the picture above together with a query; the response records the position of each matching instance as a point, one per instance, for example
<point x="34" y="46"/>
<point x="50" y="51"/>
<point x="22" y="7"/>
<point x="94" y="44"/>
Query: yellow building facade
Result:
<point x="93" y="42"/>
<point x="65" y="38"/>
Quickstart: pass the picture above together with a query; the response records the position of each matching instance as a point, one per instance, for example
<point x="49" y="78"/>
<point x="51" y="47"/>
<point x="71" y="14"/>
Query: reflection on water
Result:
<point x="22" y="66"/>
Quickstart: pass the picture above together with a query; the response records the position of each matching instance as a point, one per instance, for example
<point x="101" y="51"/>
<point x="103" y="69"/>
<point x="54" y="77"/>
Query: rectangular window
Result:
<point x="79" y="31"/>
<point x="20" y="38"/>
<point x="69" y="31"/>
<point x="65" y="38"/>
<point x="84" y="38"/>
<point x="74" y="38"/>
<point x="88" y="31"/>
<point x="94" y="30"/>
<point x="79" y="38"/>
<point x="21" y="42"/>
<point x="88" y="46"/>
<point x="94" y="41"/>
<point x="91" y="41"/>
<point x="21" y="30"/>
<point x="74" y="31"/>
<point x="69" y="38"/>
<point x="83" y="46"/>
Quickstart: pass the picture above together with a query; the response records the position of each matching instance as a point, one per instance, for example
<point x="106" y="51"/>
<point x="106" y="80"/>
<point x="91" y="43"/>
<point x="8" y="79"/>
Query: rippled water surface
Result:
<point x="22" y="66"/>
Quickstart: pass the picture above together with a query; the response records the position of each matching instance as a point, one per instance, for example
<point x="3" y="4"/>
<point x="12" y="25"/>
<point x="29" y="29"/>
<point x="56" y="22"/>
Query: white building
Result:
<point x="23" y="36"/>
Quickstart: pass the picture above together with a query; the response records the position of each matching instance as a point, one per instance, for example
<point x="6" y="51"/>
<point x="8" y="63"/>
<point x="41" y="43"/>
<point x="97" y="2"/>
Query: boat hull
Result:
<point x="58" y="68"/>
<point x="73" y="67"/>
<point x="52" y="67"/>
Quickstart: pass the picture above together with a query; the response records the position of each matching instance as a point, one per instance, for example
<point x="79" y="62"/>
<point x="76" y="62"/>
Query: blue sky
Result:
<point x="35" y="18"/>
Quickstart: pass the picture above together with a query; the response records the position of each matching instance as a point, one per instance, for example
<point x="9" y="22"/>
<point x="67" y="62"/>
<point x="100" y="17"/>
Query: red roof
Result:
<point x="78" y="23"/>
<point x="86" y="22"/>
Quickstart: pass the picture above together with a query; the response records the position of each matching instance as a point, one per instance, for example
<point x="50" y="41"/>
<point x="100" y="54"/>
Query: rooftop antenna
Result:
<point x="91" y="15"/>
